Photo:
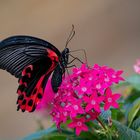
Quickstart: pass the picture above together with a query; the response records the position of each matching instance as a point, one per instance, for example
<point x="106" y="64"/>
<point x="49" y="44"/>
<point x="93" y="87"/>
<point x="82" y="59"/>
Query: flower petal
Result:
<point x="78" y="130"/>
<point x="100" y="99"/>
<point x="97" y="108"/>
<point x="88" y="107"/>
<point x="86" y="99"/>
<point x="106" y="106"/>
<point x="72" y="125"/>
<point x="115" y="105"/>
<point x="108" y="92"/>
<point x="85" y="128"/>
<point x="116" y="96"/>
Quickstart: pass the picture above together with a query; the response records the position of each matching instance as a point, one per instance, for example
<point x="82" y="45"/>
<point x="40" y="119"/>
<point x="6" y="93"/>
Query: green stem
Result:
<point x="101" y="123"/>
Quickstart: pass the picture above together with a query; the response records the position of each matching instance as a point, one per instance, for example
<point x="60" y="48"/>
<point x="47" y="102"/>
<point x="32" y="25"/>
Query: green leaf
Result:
<point x="134" y="80"/>
<point x="133" y="95"/>
<point x="50" y="132"/>
<point x="86" y="135"/>
<point x="39" y="134"/>
<point x="49" y="137"/>
<point x="125" y="133"/>
<point x="105" y="115"/>
<point x="136" y="124"/>
<point x="117" y="114"/>
<point x="135" y="107"/>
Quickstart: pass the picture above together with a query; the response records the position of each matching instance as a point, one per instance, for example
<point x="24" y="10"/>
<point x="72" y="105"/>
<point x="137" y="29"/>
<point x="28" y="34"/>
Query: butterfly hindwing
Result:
<point x="32" y="84"/>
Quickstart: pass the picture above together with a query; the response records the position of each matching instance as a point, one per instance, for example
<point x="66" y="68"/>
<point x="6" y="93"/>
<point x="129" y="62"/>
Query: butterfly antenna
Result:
<point x="71" y="35"/>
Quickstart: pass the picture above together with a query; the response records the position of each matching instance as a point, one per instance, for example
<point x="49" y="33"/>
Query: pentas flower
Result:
<point x="137" y="66"/>
<point x="115" y="77"/>
<point x="80" y="71"/>
<point x="59" y="115"/>
<point x="110" y="99"/>
<point x="79" y="125"/>
<point x="83" y="94"/>
<point x="99" y="85"/>
<point x="75" y="107"/>
<point x="104" y="77"/>
<point x="93" y="102"/>
<point x="84" y="86"/>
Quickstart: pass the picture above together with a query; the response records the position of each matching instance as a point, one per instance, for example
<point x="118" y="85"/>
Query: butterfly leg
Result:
<point x="81" y="50"/>
<point x="75" y="58"/>
<point x="71" y="61"/>
<point x="71" y="66"/>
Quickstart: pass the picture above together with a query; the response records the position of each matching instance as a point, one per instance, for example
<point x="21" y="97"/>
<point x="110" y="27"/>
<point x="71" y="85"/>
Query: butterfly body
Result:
<point x="32" y="61"/>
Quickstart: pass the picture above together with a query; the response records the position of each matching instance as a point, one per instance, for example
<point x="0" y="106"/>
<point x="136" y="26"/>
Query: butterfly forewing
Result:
<point x="31" y="60"/>
<point x="20" y="51"/>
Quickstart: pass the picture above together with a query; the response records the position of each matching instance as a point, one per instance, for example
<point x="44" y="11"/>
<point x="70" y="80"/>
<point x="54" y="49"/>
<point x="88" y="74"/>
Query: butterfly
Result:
<point x="32" y="61"/>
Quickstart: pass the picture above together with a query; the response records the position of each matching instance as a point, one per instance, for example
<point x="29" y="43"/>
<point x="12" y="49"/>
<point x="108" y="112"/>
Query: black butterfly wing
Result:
<point x="31" y="60"/>
<point x="20" y="51"/>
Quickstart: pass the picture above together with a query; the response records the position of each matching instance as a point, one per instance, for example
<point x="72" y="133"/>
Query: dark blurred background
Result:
<point x="108" y="30"/>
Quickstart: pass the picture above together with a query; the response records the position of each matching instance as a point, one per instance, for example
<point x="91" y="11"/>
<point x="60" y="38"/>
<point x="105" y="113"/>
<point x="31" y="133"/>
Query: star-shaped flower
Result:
<point x="79" y="125"/>
<point x="74" y="107"/>
<point x="84" y="87"/>
<point x="93" y="102"/>
<point x="79" y="71"/>
<point x="110" y="99"/>
<point x="60" y="115"/>
<point x="116" y="76"/>
<point x="99" y="86"/>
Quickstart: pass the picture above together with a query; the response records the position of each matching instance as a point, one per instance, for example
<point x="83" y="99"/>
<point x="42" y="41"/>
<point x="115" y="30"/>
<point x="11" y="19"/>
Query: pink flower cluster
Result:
<point x="83" y="94"/>
<point x="137" y="66"/>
